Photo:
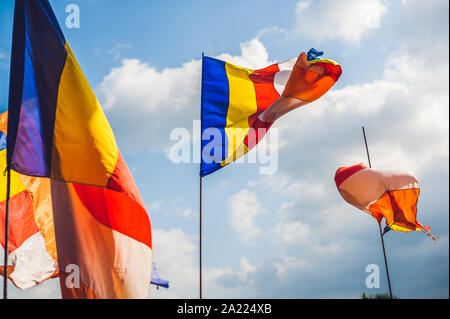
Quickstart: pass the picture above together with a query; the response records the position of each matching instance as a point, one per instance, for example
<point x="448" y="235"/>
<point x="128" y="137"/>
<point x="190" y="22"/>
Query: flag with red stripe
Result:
<point x="388" y="194"/>
<point x="239" y="105"/>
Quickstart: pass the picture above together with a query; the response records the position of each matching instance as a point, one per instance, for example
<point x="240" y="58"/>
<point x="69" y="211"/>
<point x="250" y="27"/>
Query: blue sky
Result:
<point x="288" y="234"/>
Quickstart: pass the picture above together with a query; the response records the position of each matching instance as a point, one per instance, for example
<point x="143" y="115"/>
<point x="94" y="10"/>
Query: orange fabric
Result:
<point x="111" y="264"/>
<point x="4" y="122"/>
<point x="399" y="208"/>
<point x="308" y="82"/>
<point x="8" y="271"/>
<point x="388" y="194"/>
<point x="41" y="197"/>
<point x="122" y="181"/>
<point x="382" y="208"/>
<point x="21" y="224"/>
<point x="82" y="292"/>
<point x="117" y="211"/>
<point x="265" y="91"/>
<point x="120" y="206"/>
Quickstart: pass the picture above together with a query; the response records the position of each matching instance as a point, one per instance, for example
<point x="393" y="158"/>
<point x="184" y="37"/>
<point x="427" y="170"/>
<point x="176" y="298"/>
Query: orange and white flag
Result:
<point x="388" y="194"/>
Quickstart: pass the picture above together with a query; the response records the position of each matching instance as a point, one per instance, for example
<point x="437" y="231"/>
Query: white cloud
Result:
<point x="144" y="104"/>
<point x="175" y="256"/>
<point x="169" y="207"/>
<point x="224" y="282"/>
<point x="48" y="289"/>
<point x="292" y="232"/>
<point x="307" y="190"/>
<point x="348" y="20"/>
<point x="433" y="16"/>
<point x="244" y="208"/>
<point x="274" y="182"/>
<point x="288" y="264"/>
<point x="117" y="51"/>
<point x="274" y="29"/>
<point x="254" y="55"/>
<point x="314" y="231"/>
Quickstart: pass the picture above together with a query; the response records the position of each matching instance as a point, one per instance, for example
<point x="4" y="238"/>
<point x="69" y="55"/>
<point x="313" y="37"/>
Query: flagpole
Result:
<point x="5" y="260"/>
<point x="200" y="241"/>
<point x="200" y="204"/>
<point x="379" y="224"/>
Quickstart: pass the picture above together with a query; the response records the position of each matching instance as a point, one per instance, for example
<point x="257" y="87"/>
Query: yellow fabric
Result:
<point x="323" y="60"/>
<point x="16" y="183"/>
<point x="84" y="147"/>
<point x="242" y="104"/>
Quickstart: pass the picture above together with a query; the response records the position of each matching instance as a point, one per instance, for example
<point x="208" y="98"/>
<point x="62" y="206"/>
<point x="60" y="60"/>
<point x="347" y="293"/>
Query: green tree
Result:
<point x="378" y="295"/>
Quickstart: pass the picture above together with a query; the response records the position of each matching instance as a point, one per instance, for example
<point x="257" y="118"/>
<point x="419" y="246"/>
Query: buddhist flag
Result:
<point x="57" y="130"/>
<point x="31" y="243"/>
<point x="388" y="194"/>
<point x="239" y="105"/>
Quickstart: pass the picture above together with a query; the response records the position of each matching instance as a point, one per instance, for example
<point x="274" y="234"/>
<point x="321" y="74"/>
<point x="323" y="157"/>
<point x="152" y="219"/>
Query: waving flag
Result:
<point x="388" y="194"/>
<point x="157" y="281"/>
<point x="31" y="244"/>
<point x="239" y="105"/>
<point x="57" y="129"/>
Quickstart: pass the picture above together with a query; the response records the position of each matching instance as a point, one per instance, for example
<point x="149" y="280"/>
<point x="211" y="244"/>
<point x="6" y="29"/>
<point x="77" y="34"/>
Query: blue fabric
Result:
<point x="215" y="103"/>
<point x="38" y="58"/>
<point x="313" y="54"/>
<point x="158" y="281"/>
<point x="2" y="141"/>
<point x="16" y="74"/>
<point x="30" y="121"/>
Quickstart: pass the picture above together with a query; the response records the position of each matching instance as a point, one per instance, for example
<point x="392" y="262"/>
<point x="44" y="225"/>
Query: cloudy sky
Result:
<point x="289" y="234"/>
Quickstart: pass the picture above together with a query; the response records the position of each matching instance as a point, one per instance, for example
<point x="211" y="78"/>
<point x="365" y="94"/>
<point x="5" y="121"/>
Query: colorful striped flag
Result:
<point x="57" y="129"/>
<point x="388" y="194"/>
<point x="31" y="243"/>
<point x="239" y="105"/>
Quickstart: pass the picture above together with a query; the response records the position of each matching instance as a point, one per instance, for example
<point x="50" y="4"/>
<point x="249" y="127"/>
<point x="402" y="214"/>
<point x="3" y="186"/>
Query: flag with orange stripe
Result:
<point x="31" y="243"/>
<point x="239" y="105"/>
<point x="388" y="194"/>
<point x="57" y="130"/>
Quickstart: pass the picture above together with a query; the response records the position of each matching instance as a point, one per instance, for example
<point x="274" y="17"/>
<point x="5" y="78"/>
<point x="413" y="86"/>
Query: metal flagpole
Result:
<point x="200" y="206"/>
<point x="5" y="260"/>
<point x="200" y="283"/>
<point x="379" y="224"/>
